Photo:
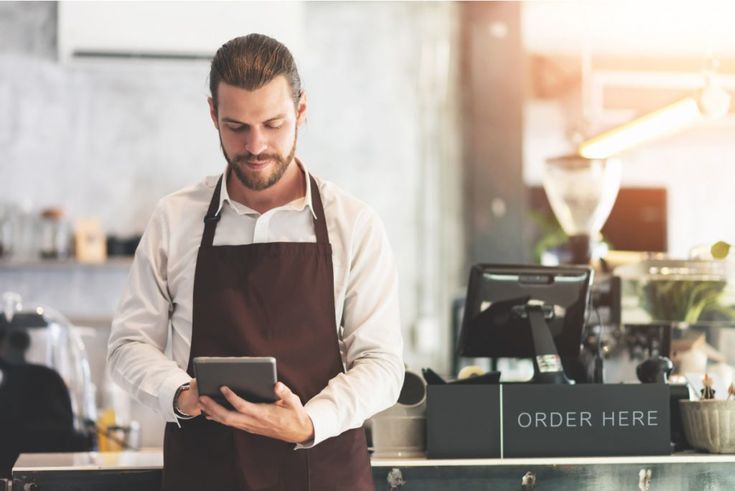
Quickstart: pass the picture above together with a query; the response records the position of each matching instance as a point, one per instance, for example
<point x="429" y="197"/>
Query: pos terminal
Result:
<point x="539" y="313"/>
<point x="532" y="312"/>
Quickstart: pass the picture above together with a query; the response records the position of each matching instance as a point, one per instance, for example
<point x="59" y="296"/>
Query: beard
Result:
<point x="254" y="180"/>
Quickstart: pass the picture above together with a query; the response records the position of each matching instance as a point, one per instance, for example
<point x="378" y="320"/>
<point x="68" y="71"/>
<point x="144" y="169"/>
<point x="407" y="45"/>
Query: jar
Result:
<point x="8" y="217"/>
<point x="55" y="234"/>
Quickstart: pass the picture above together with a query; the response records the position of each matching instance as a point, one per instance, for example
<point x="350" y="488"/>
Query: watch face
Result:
<point x="181" y="389"/>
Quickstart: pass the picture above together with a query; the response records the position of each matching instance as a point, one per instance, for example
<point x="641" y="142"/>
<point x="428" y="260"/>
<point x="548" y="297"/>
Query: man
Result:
<point x="265" y="260"/>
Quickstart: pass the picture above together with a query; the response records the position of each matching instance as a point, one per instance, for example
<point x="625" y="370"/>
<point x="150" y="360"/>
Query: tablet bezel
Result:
<point x="251" y="377"/>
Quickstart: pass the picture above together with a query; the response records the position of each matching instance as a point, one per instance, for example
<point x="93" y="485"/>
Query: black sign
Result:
<point x="463" y="421"/>
<point x="585" y="419"/>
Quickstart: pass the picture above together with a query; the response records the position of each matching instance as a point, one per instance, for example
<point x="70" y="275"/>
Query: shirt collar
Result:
<point x="295" y="205"/>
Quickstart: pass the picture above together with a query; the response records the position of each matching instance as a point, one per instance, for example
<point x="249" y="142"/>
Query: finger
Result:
<point x="213" y="410"/>
<point x="289" y="398"/>
<point x="241" y="421"/>
<point x="224" y="416"/>
<point x="281" y="390"/>
<point x="284" y="393"/>
<point x="240" y="404"/>
<point x="194" y="387"/>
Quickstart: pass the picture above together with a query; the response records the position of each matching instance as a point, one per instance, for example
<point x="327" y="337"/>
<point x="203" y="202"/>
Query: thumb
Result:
<point x="285" y="394"/>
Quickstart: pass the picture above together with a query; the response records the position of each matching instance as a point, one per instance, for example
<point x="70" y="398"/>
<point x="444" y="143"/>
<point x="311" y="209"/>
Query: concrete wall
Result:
<point x="108" y="138"/>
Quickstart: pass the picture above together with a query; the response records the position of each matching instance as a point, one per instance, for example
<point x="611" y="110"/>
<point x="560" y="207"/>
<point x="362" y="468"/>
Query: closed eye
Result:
<point x="237" y="129"/>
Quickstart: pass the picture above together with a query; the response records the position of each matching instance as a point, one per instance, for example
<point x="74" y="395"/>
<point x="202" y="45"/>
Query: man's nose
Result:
<point x="255" y="142"/>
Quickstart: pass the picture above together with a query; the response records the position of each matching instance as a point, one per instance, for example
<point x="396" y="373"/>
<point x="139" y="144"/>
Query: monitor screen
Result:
<point x="494" y="323"/>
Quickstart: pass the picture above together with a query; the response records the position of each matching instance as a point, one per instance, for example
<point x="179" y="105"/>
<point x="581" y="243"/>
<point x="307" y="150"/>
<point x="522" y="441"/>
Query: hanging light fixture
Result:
<point x="710" y="103"/>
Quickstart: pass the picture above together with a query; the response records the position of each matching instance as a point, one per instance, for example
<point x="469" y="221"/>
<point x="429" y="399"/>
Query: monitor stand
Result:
<point x="547" y="364"/>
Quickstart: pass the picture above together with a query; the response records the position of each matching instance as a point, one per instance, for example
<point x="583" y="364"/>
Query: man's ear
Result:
<point x="213" y="112"/>
<point x="301" y="109"/>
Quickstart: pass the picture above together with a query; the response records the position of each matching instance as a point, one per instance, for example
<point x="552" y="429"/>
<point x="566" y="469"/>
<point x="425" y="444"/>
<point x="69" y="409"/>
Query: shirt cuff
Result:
<point x="323" y="417"/>
<point x="166" y="394"/>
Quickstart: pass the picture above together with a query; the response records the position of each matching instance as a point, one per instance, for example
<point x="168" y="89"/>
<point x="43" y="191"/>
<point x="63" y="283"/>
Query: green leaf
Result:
<point x="720" y="250"/>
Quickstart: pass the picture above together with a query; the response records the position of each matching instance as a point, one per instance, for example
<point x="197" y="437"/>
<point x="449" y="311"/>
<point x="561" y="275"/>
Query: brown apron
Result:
<point x="267" y="299"/>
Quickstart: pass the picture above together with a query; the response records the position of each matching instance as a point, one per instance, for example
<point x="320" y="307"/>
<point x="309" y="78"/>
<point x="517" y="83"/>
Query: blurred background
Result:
<point x="442" y="116"/>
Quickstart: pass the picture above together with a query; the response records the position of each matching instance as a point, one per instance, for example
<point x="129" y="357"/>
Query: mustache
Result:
<point x="249" y="157"/>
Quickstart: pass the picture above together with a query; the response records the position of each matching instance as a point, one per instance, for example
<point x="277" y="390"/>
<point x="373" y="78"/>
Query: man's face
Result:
<point x="258" y="130"/>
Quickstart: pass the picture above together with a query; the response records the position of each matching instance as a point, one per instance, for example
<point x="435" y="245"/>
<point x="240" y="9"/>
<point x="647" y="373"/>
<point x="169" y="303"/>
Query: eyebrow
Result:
<point x="235" y="121"/>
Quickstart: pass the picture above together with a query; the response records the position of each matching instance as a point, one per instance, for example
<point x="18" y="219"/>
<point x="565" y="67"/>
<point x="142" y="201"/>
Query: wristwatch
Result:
<point x="179" y="413"/>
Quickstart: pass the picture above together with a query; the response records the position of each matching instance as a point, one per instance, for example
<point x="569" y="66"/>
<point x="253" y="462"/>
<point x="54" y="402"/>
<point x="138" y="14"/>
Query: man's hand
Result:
<point x="188" y="400"/>
<point x="285" y="419"/>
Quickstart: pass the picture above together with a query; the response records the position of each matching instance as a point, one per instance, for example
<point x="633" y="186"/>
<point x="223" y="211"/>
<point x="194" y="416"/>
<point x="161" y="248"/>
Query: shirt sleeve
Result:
<point x="135" y="357"/>
<point x="371" y="333"/>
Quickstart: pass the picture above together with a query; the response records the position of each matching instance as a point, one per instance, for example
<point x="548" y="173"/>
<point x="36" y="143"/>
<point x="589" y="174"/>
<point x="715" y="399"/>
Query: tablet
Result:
<point x="252" y="378"/>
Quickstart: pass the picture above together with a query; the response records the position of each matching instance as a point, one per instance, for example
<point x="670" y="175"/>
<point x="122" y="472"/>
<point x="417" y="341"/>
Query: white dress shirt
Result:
<point x="155" y="312"/>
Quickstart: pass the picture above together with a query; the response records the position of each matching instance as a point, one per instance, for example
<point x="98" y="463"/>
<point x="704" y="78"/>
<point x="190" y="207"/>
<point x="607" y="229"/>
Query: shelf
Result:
<point x="114" y="262"/>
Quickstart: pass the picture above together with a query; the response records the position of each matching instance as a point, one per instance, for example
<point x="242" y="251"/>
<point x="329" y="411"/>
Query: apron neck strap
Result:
<point x="212" y="217"/>
<point x="320" y="223"/>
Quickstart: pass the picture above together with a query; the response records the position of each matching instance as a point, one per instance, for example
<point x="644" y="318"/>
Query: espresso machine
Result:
<point x="46" y="394"/>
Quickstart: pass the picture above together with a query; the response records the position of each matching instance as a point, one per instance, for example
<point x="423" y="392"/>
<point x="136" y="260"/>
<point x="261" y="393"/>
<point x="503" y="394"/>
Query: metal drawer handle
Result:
<point x="528" y="481"/>
<point x="395" y="478"/>
<point x="644" y="479"/>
